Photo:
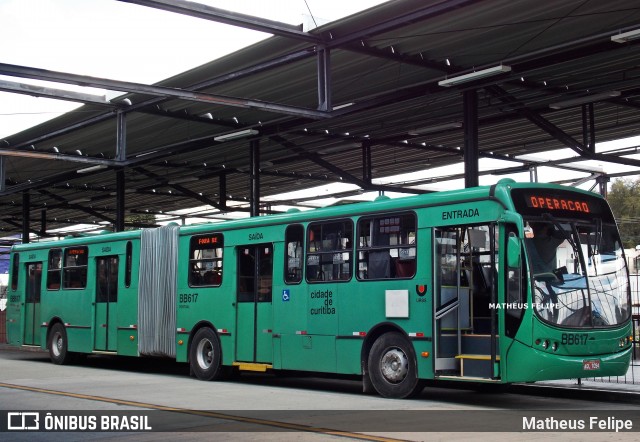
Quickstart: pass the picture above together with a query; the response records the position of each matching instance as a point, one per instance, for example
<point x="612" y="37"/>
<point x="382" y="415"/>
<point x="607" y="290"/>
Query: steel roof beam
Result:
<point x="229" y="17"/>
<point x="57" y="156"/>
<point x="160" y="91"/>
<point x="290" y="31"/>
<point x="400" y="21"/>
<point x="286" y="30"/>
<point x="64" y="203"/>
<point x="60" y="94"/>
<point x="145" y="105"/>
<point x="341" y="173"/>
<point x="555" y="131"/>
<point x="186" y="192"/>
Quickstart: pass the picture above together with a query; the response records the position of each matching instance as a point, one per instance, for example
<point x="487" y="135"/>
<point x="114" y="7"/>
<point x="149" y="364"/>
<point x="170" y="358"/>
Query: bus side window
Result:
<point x="329" y="251"/>
<point x="205" y="260"/>
<point x="54" y="269"/>
<point x="294" y="237"/>
<point x="387" y="246"/>
<point x="14" y="271"/>
<point x="128" y="264"/>
<point x="75" y="267"/>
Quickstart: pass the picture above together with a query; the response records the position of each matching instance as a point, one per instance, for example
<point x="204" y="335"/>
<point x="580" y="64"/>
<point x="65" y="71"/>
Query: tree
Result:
<point x="624" y="199"/>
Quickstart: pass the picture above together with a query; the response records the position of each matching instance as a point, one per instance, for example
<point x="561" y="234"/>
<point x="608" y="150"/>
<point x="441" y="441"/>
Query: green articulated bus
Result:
<point x="506" y="283"/>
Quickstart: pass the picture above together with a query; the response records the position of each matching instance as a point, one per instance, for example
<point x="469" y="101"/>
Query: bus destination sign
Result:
<point x="560" y="203"/>
<point x="547" y="202"/>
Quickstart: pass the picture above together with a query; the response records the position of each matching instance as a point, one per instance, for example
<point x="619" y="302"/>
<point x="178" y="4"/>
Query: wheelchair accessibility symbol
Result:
<point x="285" y="295"/>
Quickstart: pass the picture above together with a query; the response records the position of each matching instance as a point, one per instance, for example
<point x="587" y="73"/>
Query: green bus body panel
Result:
<point x="311" y="326"/>
<point x="105" y="326"/>
<point x="525" y="365"/>
<point x="76" y="308"/>
<point x="32" y="323"/>
<point x="245" y="332"/>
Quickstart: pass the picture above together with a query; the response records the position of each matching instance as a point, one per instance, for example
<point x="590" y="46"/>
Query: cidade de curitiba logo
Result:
<point x="75" y="421"/>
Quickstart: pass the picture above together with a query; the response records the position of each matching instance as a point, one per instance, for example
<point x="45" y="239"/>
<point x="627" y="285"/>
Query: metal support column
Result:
<point x="366" y="162"/>
<point x="470" y="154"/>
<point x="602" y="181"/>
<point x="254" y="185"/>
<point x="121" y="136"/>
<point x="222" y="184"/>
<point x="119" y="227"/>
<point x="26" y="220"/>
<point x="43" y="222"/>
<point x="3" y="177"/>
<point x="588" y="128"/>
<point x="533" y="174"/>
<point x="324" y="79"/>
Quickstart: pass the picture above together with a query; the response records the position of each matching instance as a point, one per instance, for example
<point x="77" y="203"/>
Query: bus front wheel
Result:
<point x="205" y="355"/>
<point x="392" y="367"/>
<point x="58" y="345"/>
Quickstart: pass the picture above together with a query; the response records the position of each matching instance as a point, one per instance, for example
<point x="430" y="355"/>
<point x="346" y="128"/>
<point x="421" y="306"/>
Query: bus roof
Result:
<point x="499" y="192"/>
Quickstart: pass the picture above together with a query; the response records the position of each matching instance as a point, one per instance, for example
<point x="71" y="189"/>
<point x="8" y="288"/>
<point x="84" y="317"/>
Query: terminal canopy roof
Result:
<point x="394" y="89"/>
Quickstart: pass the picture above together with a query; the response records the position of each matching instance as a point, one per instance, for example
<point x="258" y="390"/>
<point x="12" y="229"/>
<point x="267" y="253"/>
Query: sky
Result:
<point x="122" y="41"/>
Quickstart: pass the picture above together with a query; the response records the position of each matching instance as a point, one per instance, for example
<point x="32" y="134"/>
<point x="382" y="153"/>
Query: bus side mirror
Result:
<point x="513" y="252"/>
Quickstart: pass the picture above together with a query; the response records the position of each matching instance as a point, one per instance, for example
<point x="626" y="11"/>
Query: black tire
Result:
<point x="205" y="356"/>
<point x="58" y="344"/>
<point x="392" y="367"/>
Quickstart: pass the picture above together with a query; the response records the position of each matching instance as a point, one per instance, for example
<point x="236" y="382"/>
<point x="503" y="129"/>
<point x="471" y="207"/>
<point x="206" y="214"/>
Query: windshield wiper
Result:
<point x="557" y="225"/>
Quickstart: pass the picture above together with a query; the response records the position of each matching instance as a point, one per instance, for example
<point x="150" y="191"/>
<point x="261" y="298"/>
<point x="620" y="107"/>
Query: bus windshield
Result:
<point x="579" y="274"/>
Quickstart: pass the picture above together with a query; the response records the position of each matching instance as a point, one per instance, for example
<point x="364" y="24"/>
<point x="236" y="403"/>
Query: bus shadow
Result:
<point x="492" y="396"/>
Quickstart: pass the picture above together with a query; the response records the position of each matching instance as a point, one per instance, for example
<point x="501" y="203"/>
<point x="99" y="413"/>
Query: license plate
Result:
<point x="592" y="364"/>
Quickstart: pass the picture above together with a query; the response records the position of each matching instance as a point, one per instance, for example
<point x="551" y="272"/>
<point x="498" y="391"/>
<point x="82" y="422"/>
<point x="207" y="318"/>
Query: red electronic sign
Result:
<point x="557" y="203"/>
<point x="562" y="203"/>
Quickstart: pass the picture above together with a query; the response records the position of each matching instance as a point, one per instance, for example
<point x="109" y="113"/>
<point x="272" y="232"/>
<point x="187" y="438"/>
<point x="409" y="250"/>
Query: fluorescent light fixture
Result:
<point x="626" y="36"/>
<point x="531" y="158"/>
<point x="342" y="106"/>
<point x="235" y="135"/>
<point x="92" y="168"/>
<point x="187" y="179"/>
<point x="144" y="154"/>
<point x="435" y="128"/>
<point x="80" y="200"/>
<point x="338" y="148"/>
<point x="475" y="75"/>
<point x="586" y="99"/>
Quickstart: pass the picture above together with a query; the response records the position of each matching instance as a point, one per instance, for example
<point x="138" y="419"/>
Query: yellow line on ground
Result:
<point x="212" y="414"/>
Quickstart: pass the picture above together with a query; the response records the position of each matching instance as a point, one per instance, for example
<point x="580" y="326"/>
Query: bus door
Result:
<point x="466" y="339"/>
<point x="254" y="308"/>
<point x="105" y="337"/>
<point x="32" y="304"/>
<point x="449" y="296"/>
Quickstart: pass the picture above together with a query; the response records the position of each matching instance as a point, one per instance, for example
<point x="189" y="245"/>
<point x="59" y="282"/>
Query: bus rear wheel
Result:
<point x="205" y="355"/>
<point x="392" y="367"/>
<point x="58" y="345"/>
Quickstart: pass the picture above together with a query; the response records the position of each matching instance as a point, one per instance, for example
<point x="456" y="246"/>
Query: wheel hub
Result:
<point x="57" y="344"/>
<point x="205" y="353"/>
<point x="394" y="365"/>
